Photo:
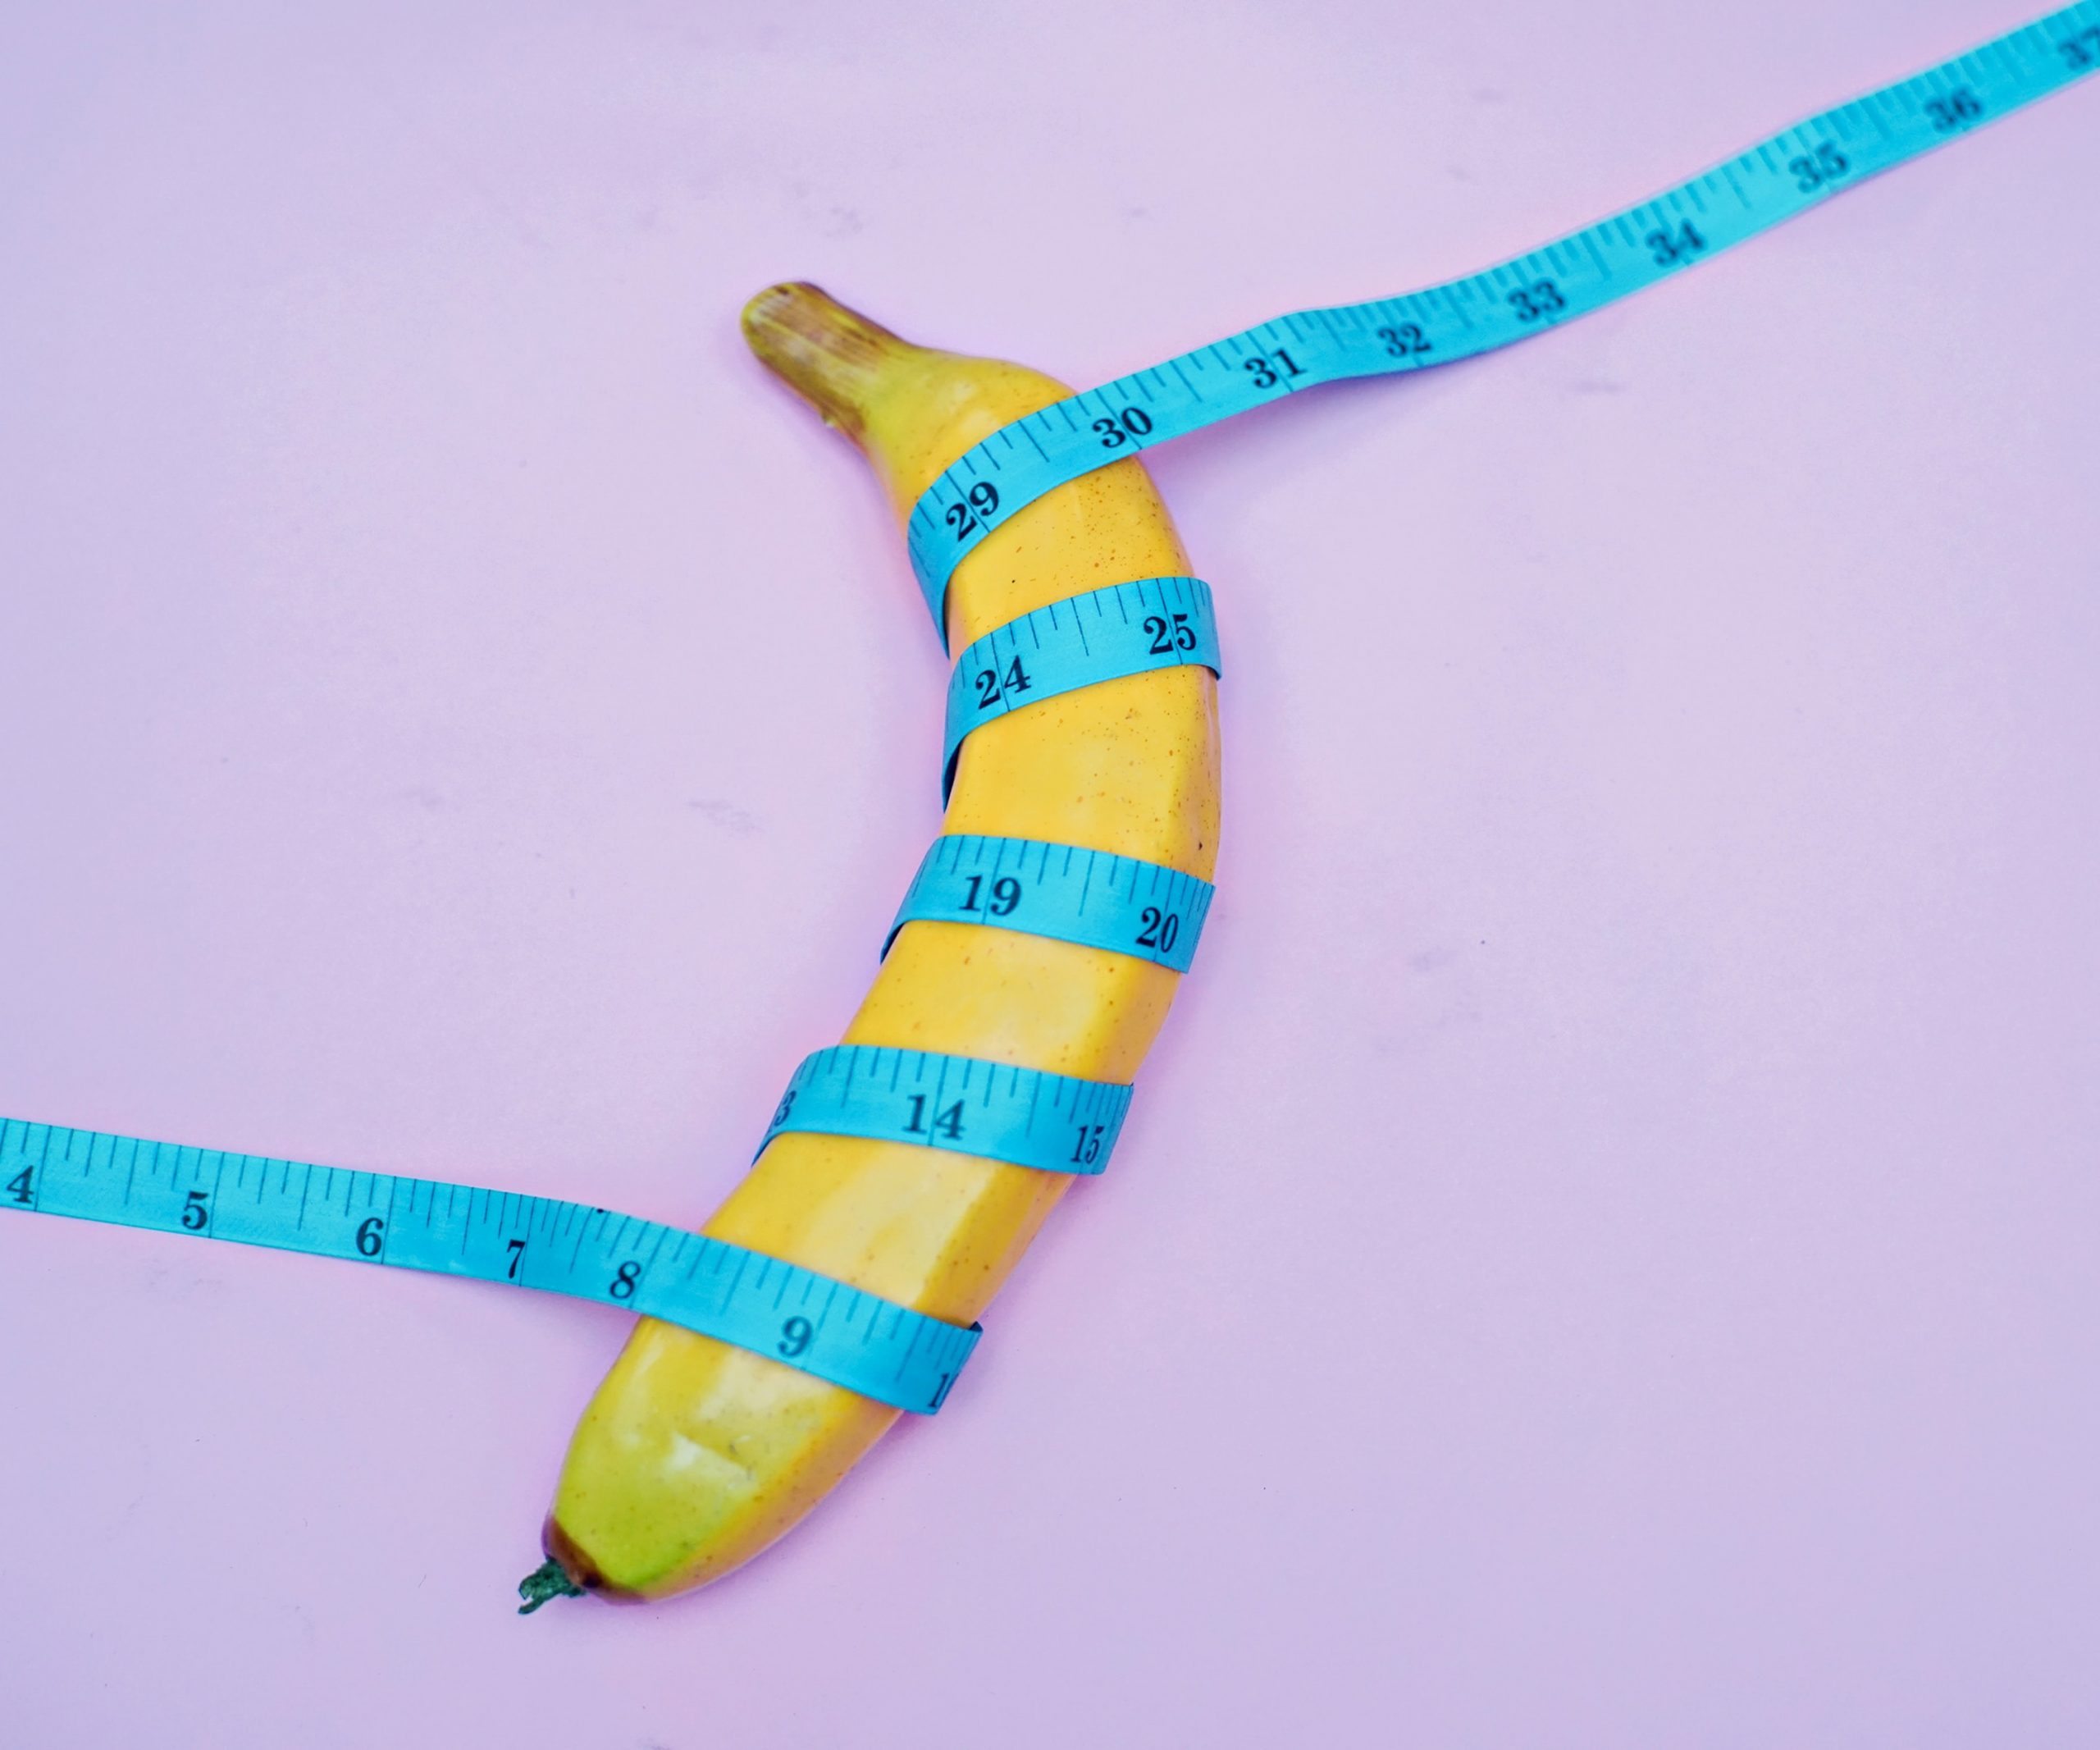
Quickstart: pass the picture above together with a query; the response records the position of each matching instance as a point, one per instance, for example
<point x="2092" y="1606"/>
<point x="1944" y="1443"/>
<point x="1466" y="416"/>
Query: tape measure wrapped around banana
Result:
<point x="1037" y="948"/>
<point x="694" y="1454"/>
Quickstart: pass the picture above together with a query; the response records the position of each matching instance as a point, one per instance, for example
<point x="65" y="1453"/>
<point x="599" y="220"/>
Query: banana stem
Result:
<point x="549" y="1580"/>
<point x="832" y="357"/>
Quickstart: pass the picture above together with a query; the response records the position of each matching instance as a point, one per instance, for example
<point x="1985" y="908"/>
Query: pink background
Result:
<point x="1605" y="1253"/>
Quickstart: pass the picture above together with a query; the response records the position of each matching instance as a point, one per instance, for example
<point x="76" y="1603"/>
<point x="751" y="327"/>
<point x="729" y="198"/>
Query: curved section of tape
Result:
<point x="804" y="1320"/>
<point x="1127" y="628"/>
<point x="1065" y="891"/>
<point x="966" y="1105"/>
<point x="1774" y="180"/>
<point x="815" y="1323"/>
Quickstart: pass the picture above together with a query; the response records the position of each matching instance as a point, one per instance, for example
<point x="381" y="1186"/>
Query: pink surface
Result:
<point x="1604" y="1254"/>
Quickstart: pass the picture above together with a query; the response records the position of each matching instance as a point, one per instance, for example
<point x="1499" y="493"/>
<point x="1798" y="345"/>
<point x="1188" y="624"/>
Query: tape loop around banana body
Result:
<point x="1065" y="891"/>
<point x="966" y="1105"/>
<point x="1102" y="635"/>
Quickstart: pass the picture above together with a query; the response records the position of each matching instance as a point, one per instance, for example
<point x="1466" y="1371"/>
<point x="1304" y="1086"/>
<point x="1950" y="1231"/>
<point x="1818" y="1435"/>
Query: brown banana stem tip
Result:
<point x="829" y="355"/>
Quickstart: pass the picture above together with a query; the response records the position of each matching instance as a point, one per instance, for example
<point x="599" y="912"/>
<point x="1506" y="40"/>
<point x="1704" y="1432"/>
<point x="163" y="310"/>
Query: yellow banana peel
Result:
<point x="693" y="1456"/>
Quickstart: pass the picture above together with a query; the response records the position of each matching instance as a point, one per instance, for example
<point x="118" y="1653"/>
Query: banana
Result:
<point x="693" y="1455"/>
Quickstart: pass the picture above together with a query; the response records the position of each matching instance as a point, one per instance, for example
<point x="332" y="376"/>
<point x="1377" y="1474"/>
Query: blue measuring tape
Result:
<point x="1588" y="269"/>
<point x="1053" y="1123"/>
<point x="1127" y="628"/>
<point x="885" y="1352"/>
<point x="1025" y="1117"/>
<point x="1064" y="891"/>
